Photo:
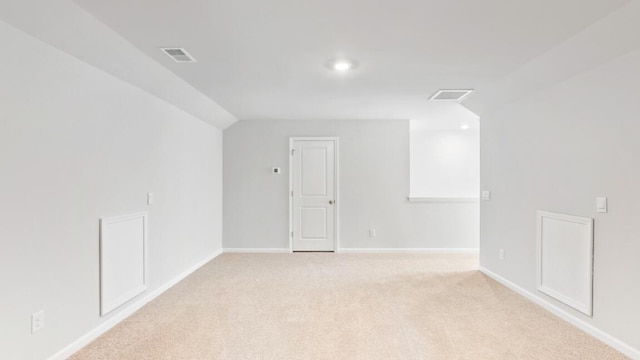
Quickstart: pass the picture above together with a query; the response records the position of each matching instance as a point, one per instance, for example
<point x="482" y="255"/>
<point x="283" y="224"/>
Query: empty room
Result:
<point x="319" y="179"/>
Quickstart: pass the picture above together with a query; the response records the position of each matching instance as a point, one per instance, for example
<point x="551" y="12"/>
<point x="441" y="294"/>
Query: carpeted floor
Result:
<point x="343" y="306"/>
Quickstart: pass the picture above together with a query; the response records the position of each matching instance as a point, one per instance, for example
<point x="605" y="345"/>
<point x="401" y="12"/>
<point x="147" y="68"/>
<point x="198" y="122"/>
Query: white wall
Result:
<point x="445" y="163"/>
<point x="374" y="185"/>
<point x="77" y="144"/>
<point x="558" y="150"/>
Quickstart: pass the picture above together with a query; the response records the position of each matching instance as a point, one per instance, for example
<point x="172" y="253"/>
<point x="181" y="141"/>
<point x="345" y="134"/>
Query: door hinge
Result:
<point x="291" y="192"/>
<point x="292" y="151"/>
<point x="292" y="234"/>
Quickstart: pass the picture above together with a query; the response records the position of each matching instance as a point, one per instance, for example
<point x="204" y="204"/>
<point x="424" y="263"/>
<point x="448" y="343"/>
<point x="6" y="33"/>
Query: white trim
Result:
<point x="445" y="200"/>
<point x="290" y="195"/>
<point x="585" y="307"/>
<point x="615" y="343"/>
<point x="336" y="163"/>
<point x="337" y="202"/>
<point x="257" y="250"/>
<point x="409" y="250"/>
<point x="125" y="312"/>
<point x="313" y="138"/>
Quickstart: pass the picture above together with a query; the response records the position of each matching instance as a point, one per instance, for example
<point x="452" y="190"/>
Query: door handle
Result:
<point x="330" y="202"/>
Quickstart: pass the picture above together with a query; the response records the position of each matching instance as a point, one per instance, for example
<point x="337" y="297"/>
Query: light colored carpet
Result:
<point x="343" y="306"/>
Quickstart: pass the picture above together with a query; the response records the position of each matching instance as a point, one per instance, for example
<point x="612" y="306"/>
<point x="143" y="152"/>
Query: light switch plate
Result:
<point x="275" y="170"/>
<point x="149" y="198"/>
<point x="601" y="205"/>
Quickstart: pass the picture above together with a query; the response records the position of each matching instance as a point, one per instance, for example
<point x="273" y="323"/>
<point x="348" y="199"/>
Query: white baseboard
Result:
<point x="615" y="343"/>
<point x="444" y="200"/>
<point x="362" y="250"/>
<point x="409" y="250"/>
<point x="127" y="311"/>
<point x="257" y="250"/>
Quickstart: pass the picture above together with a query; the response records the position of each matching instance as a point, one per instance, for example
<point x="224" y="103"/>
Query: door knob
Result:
<point x="330" y="202"/>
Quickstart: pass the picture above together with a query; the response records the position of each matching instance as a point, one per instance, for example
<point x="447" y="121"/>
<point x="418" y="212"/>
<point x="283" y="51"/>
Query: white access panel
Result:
<point x="565" y="259"/>
<point x="123" y="242"/>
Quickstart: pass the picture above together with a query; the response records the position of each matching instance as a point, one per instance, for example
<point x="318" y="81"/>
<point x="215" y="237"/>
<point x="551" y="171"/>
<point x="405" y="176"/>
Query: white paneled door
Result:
<point x="313" y="194"/>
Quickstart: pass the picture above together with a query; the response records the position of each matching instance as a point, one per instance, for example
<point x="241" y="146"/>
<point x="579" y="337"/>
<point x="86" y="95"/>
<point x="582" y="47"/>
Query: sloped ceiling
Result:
<point x="267" y="59"/>
<point x="69" y="28"/>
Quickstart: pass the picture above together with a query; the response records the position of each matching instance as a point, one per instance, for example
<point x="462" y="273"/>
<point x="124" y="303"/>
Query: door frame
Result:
<point x="336" y="166"/>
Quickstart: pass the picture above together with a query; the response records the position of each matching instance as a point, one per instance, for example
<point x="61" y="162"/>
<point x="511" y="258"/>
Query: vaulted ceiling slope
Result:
<point x="608" y="38"/>
<point x="66" y="26"/>
<point x="267" y="59"/>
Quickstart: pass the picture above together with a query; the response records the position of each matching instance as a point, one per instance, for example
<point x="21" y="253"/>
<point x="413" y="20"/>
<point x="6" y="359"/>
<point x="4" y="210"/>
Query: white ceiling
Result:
<point x="266" y="59"/>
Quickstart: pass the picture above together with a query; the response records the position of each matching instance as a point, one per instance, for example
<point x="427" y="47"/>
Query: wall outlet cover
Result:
<point x="37" y="321"/>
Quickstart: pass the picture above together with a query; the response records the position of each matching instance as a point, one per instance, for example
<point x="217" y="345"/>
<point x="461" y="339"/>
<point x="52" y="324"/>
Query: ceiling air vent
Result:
<point x="450" y="95"/>
<point x="179" y="55"/>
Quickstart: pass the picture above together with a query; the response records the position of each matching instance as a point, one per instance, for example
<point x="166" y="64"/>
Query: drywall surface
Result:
<point x="66" y="26"/>
<point x="373" y="185"/>
<point x="77" y="144"/>
<point x="613" y="35"/>
<point x="445" y="163"/>
<point x="557" y="151"/>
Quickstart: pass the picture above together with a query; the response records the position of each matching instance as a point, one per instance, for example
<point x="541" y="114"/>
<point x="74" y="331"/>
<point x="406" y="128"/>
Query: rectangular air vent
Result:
<point x="451" y="95"/>
<point x="179" y="55"/>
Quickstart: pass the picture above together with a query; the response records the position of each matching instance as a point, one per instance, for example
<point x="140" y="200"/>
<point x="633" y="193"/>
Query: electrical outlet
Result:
<point x="485" y="195"/>
<point x="501" y="254"/>
<point x="37" y="321"/>
<point x="372" y="233"/>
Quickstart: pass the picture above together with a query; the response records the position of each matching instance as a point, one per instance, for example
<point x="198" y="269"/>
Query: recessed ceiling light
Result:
<point x="341" y="65"/>
<point x="464" y="126"/>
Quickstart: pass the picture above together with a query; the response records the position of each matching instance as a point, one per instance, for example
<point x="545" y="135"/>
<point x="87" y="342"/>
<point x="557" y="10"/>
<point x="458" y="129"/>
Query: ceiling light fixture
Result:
<point x="341" y="65"/>
<point x="464" y="126"/>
